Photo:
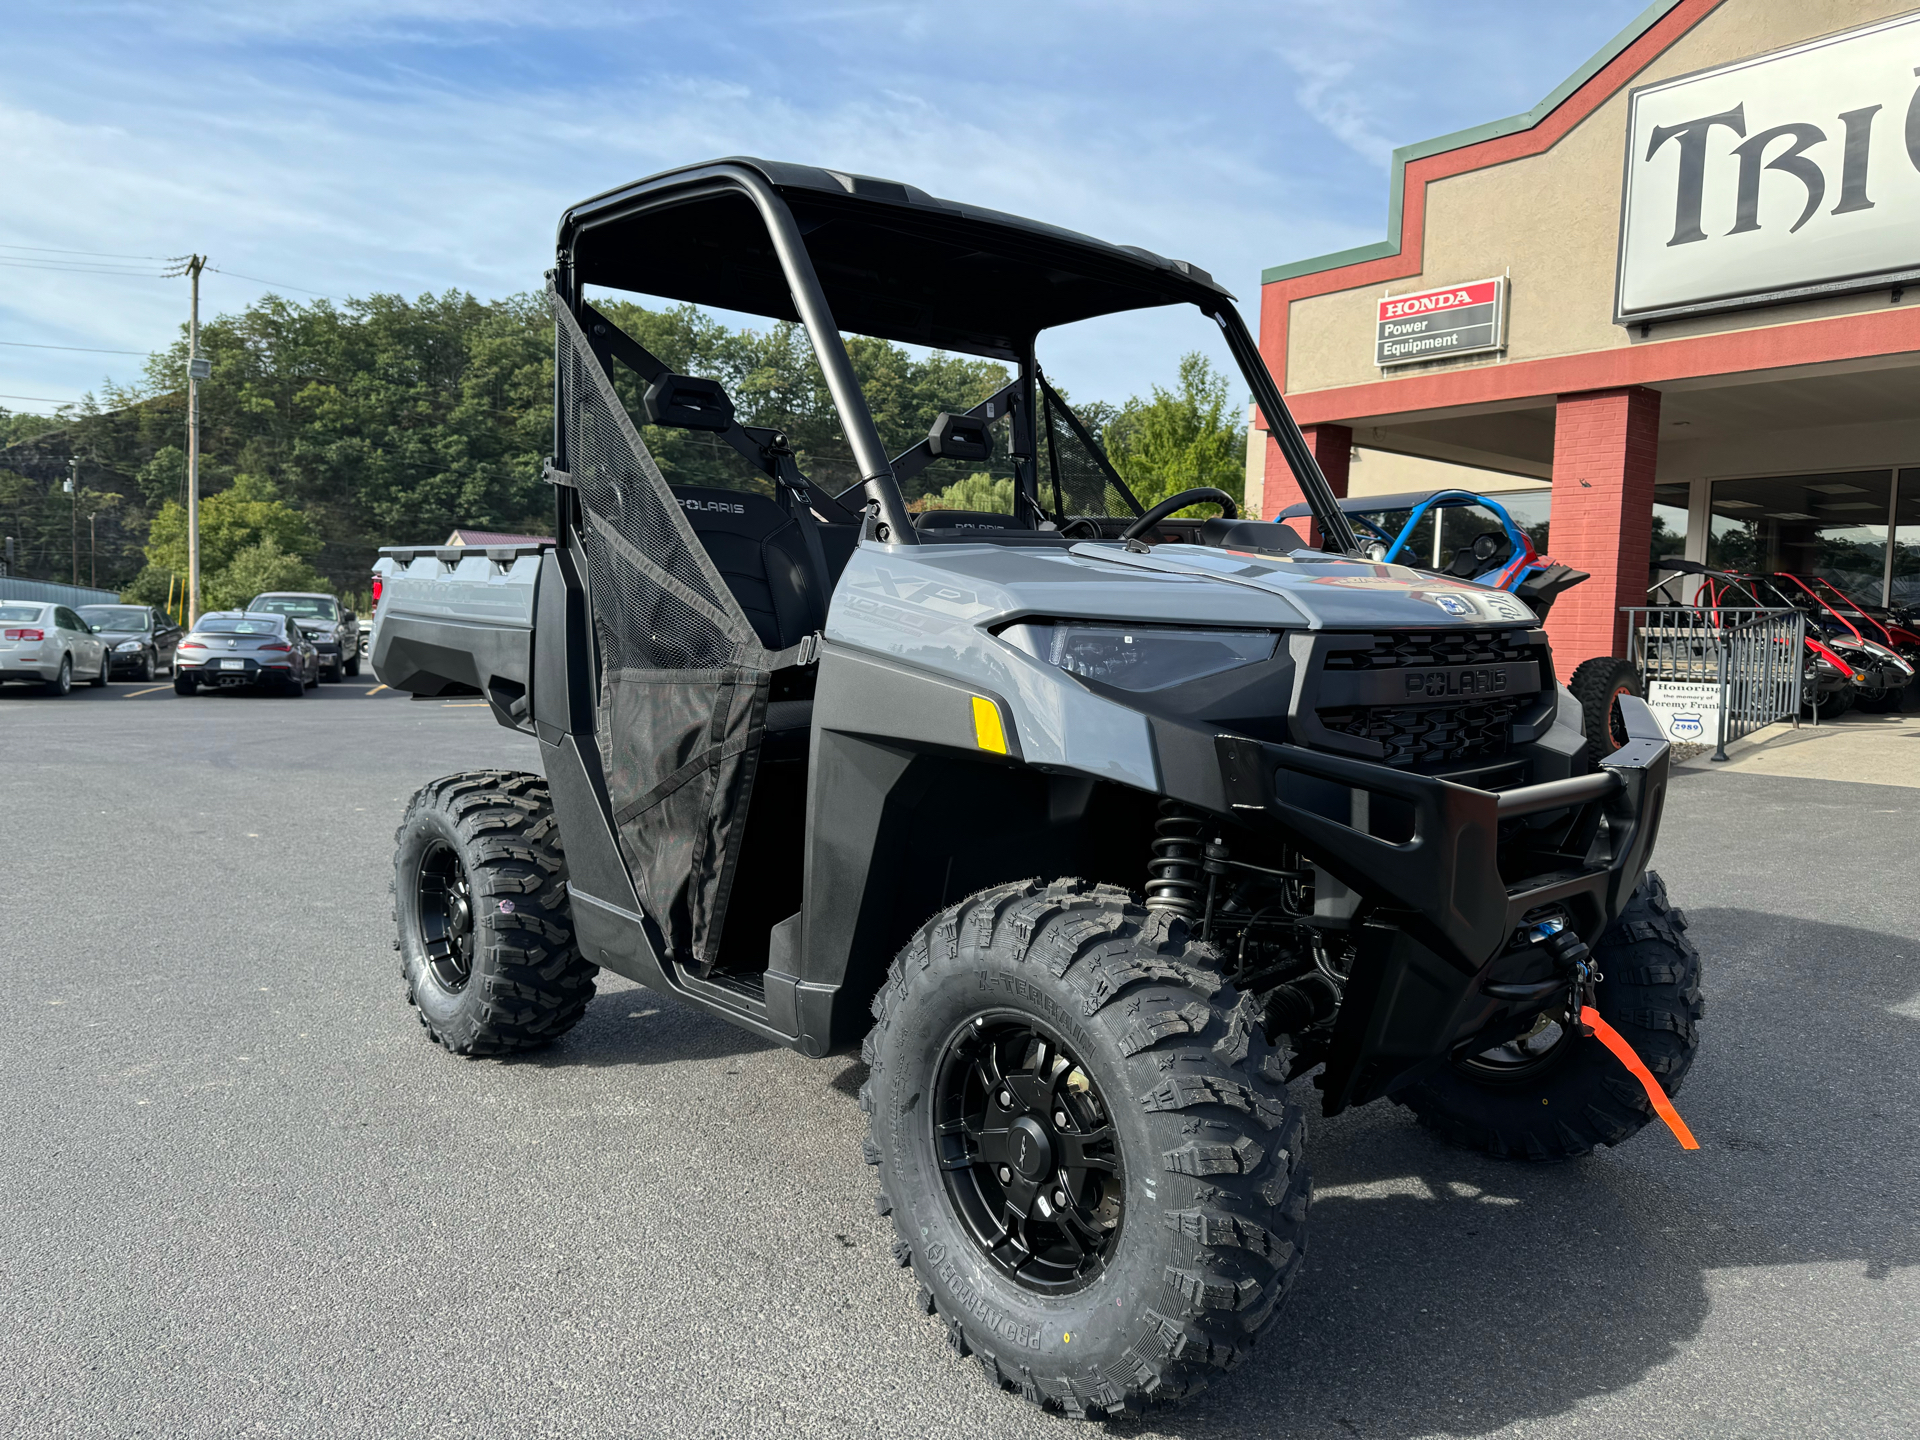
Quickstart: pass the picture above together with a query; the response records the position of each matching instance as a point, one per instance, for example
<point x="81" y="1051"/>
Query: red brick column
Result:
<point x="1605" y="443"/>
<point x="1329" y="444"/>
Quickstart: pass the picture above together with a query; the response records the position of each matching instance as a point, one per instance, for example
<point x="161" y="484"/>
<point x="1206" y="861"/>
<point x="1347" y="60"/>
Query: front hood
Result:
<point x="927" y="588"/>
<point x="1332" y="592"/>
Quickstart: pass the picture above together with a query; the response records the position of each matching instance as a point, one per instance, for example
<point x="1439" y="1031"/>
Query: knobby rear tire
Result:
<point x="1213" y="1226"/>
<point x="528" y="984"/>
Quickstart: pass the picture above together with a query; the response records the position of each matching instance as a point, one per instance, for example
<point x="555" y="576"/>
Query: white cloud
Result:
<point x="407" y="145"/>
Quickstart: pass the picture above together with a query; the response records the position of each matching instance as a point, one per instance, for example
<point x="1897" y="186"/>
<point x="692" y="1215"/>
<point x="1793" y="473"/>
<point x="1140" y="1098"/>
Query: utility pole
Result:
<point x="197" y="371"/>
<point x="73" y="526"/>
<point x="93" y="550"/>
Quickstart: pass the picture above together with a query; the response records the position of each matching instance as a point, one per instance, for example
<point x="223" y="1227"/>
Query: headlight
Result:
<point x="128" y="645"/>
<point x="1140" y="657"/>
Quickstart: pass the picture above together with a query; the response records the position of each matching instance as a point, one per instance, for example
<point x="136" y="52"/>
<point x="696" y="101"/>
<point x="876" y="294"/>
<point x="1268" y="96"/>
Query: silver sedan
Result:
<point x="52" y="646"/>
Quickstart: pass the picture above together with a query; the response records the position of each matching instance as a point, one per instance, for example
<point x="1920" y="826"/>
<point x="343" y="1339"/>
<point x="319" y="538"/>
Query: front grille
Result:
<point x="1431" y="735"/>
<point x="1435" y="648"/>
<point x="1416" y="733"/>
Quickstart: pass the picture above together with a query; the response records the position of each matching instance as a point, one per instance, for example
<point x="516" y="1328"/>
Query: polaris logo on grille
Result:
<point x="1456" y="682"/>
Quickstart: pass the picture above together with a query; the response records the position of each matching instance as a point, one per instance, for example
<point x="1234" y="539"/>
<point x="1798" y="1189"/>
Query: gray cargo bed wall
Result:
<point x="459" y="621"/>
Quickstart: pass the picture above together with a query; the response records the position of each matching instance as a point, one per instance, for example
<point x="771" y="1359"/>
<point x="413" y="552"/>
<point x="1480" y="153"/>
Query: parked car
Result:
<point x="331" y="627"/>
<point x="233" y="648"/>
<point x="141" y="639"/>
<point x="51" y="645"/>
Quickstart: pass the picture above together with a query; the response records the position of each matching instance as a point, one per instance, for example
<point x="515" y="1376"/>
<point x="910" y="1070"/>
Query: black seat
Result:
<point x="759" y="551"/>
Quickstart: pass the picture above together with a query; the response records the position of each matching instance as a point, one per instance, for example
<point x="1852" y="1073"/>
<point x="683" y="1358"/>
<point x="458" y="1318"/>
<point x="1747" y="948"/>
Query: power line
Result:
<point x="74" y="268"/>
<point x="278" y="285"/>
<point x="86" y="349"/>
<point x="55" y="250"/>
<point x="48" y="399"/>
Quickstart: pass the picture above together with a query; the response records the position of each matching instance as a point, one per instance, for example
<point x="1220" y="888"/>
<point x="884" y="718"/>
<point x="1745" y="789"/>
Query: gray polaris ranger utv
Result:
<point x="1091" y="828"/>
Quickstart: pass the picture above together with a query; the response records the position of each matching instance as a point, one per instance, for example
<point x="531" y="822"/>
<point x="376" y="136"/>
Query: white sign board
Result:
<point x="1688" y="710"/>
<point x="1794" y="173"/>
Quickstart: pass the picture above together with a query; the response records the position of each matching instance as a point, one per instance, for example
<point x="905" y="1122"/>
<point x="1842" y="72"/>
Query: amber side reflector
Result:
<point x="988" y="734"/>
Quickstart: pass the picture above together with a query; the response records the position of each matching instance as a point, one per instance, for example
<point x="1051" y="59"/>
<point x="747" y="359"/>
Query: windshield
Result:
<point x="305" y="607"/>
<point x="237" y="625"/>
<point x="115" y="617"/>
<point x="1128" y="409"/>
<point x="14" y="614"/>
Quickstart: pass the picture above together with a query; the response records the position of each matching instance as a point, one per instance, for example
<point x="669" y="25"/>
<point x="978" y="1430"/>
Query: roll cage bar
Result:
<point x="756" y="236"/>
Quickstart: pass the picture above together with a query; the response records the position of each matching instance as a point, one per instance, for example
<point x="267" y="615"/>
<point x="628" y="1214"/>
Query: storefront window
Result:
<point x="1903" y="580"/>
<point x="1834" y="526"/>
<point x="1670" y="534"/>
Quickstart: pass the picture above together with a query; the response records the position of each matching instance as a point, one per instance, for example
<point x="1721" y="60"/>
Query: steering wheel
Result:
<point x="1180" y="501"/>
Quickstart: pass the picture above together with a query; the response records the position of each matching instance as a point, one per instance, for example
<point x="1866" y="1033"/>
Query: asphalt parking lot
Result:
<point x="242" y="1194"/>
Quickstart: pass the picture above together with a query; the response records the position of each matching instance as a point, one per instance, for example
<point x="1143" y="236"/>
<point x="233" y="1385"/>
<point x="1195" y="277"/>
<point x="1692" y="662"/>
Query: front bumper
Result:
<point x="1447" y="889"/>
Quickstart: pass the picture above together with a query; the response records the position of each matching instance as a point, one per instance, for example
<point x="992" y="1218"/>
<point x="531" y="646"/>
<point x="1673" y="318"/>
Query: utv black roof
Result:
<point x="893" y="261"/>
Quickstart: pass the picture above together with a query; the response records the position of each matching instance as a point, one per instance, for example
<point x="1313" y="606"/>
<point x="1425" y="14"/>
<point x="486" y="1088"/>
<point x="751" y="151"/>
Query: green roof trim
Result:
<point x="1493" y="130"/>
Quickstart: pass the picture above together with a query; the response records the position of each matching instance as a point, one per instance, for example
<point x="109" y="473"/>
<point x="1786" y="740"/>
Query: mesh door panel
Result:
<point x="683" y="677"/>
<point x="1082" y="480"/>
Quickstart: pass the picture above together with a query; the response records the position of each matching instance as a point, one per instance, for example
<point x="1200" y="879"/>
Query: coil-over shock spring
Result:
<point x="1174" y="874"/>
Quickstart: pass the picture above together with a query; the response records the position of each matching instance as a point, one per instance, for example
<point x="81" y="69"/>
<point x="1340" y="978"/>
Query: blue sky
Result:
<point x="353" y="146"/>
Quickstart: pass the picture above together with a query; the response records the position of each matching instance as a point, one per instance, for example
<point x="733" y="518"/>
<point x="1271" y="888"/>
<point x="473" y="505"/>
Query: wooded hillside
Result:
<point x="331" y="430"/>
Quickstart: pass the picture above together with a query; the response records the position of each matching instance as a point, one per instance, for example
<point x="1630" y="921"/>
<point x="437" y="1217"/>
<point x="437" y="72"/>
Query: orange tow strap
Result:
<point x="1624" y="1053"/>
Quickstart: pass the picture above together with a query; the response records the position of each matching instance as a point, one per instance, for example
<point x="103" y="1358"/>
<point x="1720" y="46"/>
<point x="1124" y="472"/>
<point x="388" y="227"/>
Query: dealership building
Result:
<point x="1676" y="301"/>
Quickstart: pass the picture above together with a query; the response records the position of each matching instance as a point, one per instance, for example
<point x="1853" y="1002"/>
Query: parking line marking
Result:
<point x="376" y="690"/>
<point x="132" y="695"/>
<point x="452" y="704"/>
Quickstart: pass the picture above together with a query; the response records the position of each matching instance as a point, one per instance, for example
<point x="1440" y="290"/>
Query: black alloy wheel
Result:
<point x="1086" y="1144"/>
<point x="1027" y="1153"/>
<point x="1524" y="1058"/>
<point x="481" y="915"/>
<point x="445" y="914"/>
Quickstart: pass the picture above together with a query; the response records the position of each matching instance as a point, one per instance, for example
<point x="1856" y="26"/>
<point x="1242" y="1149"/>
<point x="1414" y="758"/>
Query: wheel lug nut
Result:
<point x="1006" y="1175"/>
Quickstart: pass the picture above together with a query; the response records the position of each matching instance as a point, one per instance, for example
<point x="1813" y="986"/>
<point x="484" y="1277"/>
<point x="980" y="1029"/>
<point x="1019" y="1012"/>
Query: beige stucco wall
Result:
<point x="1552" y="222"/>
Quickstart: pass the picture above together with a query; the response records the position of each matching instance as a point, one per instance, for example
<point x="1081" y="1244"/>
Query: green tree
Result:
<point x="979" y="491"/>
<point x="1180" y="439"/>
<point x="249" y="520"/>
<point x="260" y="567"/>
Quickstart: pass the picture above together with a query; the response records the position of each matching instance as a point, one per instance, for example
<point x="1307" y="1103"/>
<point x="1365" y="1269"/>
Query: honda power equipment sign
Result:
<point x="1432" y="324"/>
<point x="1793" y="174"/>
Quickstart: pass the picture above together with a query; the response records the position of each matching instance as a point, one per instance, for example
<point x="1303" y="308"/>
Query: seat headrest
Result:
<point x="739" y="512"/>
<point x="965" y="520"/>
